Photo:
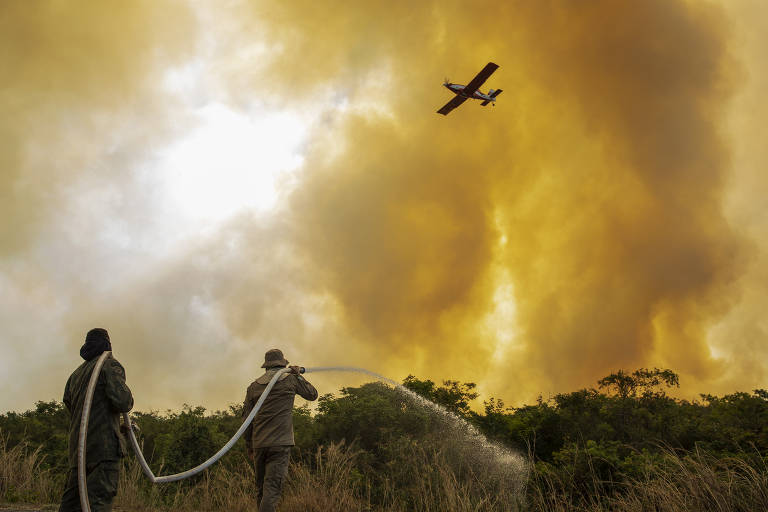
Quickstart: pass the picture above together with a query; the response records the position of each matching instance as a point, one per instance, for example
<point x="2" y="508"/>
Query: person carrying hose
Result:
<point x="269" y="438"/>
<point x="105" y="445"/>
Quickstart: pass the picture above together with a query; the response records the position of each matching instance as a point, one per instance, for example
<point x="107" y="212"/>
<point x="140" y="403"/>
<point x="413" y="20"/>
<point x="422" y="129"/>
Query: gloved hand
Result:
<point x="296" y="370"/>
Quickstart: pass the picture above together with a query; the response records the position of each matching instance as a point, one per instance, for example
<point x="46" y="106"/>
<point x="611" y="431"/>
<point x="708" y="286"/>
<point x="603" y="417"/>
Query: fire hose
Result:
<point x="81" y="449"/>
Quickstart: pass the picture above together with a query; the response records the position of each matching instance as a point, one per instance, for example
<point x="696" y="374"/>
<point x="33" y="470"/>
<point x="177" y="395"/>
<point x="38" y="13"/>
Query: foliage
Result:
<point x="371" y="415"/>
<point x="453" y="395"/>
<point x="587" y="448"/>
<point x="640" y="380"/>
<point x="45" y="427"/>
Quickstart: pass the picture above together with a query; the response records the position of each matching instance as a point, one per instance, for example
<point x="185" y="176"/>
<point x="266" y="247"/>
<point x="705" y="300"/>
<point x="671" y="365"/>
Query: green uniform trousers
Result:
<point x="271" y="468"/>
<point x="102" y="487"/>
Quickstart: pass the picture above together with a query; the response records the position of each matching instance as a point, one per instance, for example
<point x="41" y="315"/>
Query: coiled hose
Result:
<point x="84" y="503"/>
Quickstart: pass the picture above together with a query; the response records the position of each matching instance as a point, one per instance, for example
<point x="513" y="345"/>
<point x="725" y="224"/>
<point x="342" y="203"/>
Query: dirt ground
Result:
<point x="26" y="507"/>
<point x="30" y="507"/>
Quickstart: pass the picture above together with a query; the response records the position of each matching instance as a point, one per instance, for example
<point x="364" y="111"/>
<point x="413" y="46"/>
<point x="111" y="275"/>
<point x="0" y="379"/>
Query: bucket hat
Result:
<point x="274" y="357"/>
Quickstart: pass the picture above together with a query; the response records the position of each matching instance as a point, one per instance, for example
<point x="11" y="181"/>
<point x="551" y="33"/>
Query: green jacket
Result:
<point x="110" y="398"/>
<point x="273" y="424"/>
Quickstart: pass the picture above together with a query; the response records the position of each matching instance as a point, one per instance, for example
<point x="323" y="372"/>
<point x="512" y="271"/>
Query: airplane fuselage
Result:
<point x="458" y="89"/>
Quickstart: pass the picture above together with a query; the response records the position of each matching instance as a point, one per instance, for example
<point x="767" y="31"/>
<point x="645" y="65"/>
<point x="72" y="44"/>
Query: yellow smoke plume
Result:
<point x="578" y="227"/>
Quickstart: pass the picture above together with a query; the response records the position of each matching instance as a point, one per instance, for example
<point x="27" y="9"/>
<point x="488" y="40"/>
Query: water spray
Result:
<point x="503" y="454"/>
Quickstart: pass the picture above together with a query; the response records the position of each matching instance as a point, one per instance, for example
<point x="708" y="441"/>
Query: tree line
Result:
<point x="603" y="434"/>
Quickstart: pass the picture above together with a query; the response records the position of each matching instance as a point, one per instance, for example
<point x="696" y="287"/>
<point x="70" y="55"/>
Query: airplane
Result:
<point x="471" y="90"/>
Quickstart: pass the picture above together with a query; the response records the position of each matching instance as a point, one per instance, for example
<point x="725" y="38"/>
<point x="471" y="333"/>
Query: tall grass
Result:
<point x="422" y="478"/>
<point x="326" y="481"/>
<point x="23" y="477"/>
<point x="698" y="481"/>
<point x="669" y="482"/>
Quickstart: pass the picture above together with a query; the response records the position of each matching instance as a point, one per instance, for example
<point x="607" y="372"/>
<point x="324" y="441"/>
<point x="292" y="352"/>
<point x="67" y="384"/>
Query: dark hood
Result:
<point x="96" y="342"/>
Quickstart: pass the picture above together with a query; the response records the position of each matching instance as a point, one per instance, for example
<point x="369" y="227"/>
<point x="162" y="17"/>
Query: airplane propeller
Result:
<point x="446" y="81"/>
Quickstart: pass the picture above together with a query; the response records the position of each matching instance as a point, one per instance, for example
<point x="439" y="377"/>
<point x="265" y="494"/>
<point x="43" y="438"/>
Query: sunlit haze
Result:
<point x="230" y="161"/>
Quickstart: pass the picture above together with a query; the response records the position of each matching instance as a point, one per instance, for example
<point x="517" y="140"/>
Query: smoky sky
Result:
<point x="582" y="225"/>
<point x="604" y="174"/>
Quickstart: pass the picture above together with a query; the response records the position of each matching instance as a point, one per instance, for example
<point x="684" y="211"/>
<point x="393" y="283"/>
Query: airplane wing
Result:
<point x="481" y="77"/>
<point x="455" y="102"/>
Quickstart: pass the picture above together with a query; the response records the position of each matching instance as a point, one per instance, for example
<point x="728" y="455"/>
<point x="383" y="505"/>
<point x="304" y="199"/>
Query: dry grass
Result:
<point x="329" y="482"/>
<point x="22" y="478"/>
<point x="697" y="481"/>
<point x="218" y="489"/>
<point x="439" y="476"/>
<point x="422" y="479"/>
<point x="671" y="482"/>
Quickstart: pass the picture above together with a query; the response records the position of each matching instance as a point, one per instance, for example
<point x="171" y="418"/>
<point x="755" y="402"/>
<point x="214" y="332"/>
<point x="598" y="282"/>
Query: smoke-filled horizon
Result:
<point x="208" y="184"/>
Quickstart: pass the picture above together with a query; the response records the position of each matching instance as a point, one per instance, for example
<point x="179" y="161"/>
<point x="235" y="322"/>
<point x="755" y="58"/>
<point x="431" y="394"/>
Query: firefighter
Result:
<point x="269" y="438"/>
<point x="105" y="443"/>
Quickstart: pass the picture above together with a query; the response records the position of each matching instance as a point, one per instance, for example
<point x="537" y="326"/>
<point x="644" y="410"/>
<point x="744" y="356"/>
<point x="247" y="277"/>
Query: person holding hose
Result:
<point x="269" y="438"/>
<point x="105" y="445"/>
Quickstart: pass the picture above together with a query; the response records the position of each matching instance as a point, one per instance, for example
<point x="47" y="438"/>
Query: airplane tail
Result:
<point x="492" y="93"/>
